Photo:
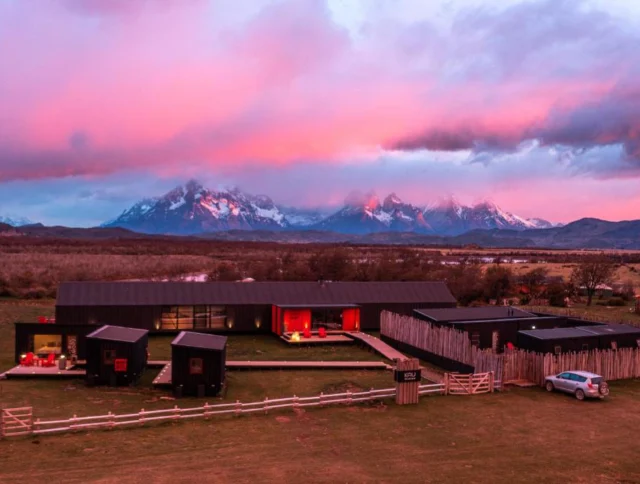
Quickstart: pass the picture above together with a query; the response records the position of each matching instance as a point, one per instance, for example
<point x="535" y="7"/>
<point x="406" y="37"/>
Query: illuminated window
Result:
<point x="614" y="345"/>
<point x="557" y="350"/>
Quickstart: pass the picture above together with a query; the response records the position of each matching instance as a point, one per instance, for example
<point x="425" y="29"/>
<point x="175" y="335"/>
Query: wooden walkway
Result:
<point x="43" y="372"/>
<point x="164" y="377"/>
<point x="379" y="346"/>
<point x="307" y="365"/>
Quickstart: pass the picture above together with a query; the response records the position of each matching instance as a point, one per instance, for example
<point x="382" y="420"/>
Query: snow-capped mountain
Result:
<point x="15" y="221"/>
<point x="449" y="217"/>
<point x="193" y="209"/>
<point x="364" y="213"/>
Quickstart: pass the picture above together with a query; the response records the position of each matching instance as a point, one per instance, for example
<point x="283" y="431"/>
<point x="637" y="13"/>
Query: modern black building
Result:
<point x="489" y="326"/>
<point x="614" y="336"/>
<point x="225" y="307"/>
<point x="45" y="338"/>
<point x="198" y="364"/>
<point x="558" y="340"/>
<point x="116" y="355"/>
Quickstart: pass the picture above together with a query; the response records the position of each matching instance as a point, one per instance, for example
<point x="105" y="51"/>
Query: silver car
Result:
<point x="582" y="384"/>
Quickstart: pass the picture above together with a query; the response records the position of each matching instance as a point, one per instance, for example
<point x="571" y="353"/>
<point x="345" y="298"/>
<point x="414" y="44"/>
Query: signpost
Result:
<point x="407" y="376"/>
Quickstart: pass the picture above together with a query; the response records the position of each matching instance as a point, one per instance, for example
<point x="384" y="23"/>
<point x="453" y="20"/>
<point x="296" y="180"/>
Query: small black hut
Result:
<point x="198" y="364"/>
<point x="558" y="340"/>
<point x="614" y="336"/>
<point x="116" y="355"/>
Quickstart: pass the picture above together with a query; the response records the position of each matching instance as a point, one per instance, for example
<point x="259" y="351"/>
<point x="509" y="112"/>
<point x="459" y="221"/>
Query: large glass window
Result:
<point x="193" y="317"/>
<point x="43" y="344"/>
<point x="329" y="318"/>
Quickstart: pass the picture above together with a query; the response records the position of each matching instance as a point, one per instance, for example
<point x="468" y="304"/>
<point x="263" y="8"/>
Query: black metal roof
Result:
<point x="200" y="340"/>
<point x="474" y="314"/>
<point x="118" y="333"/>
<point x="317" y="306"/>
<point x="557" y="333"/>
<point x="278" y="293"/>
<point x="605" y="329"/>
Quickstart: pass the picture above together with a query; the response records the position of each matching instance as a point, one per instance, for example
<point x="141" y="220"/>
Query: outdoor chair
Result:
<point x="322" y="333"/>
<point x="50" y="361"/>
<point x="28" y="360"/>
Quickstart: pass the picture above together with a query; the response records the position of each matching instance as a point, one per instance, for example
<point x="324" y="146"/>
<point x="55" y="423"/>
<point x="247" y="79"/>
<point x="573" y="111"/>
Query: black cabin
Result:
<point x="489" y="326"/>
<point x="243" y="307"/>
<point x="198" y="364"/>
<point x="614" y="336"/>
<point x="116" y="355"/>
<point x="558" y="340"/>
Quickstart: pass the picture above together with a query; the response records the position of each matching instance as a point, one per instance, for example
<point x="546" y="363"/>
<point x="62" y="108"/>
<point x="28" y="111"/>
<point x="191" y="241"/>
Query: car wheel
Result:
<point x="549" y="386"/>
<point x="580" y="395"/>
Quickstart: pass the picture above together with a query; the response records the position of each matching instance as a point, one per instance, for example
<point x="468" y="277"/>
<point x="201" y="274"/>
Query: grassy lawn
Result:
<point x="523" y="435"/>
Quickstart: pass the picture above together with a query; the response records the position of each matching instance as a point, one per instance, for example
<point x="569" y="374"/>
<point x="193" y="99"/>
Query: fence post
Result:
<point x="206" y="410"/>
<point x="321" y="395"/>
<point x="491" y="382"/>
<point x="470" y="390"/>
<point x="266" y="405"/>
<point x="111" y="416"/>
<point x="349" y="397"/>
<point x="446" y="383"/>
<point x="371" y="397"/>
<point x="295" y="402"/>
<point x="238" y="407"/>
<point x="2" y="425"/>
<point x="176" y="412"/>
<point x="73" y="420"/>
<point x="141" y="416"/>
<point x="36" y="427"/>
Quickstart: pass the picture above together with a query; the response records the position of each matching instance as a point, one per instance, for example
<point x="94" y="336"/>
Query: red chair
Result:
<point x="42" y="319"/>
<point x="28" y="360"/>
<point x="50" y="361"/>
<point x="306" y="333"/>
<point x="322" y="333"/>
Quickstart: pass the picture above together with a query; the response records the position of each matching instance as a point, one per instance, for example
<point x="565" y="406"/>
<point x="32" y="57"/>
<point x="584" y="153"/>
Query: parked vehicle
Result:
<point x="582" y="384"/>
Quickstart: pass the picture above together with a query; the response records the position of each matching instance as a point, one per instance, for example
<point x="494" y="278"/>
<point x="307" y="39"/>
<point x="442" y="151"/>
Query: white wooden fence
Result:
<point x="111" y="420"/>
<point x="16" y="422"/>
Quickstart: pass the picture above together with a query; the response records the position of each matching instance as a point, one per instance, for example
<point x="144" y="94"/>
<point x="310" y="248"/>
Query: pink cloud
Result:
<point x="96" y="87"/>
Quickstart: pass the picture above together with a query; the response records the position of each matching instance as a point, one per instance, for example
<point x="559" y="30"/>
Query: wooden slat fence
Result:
<point x="442" y="341"/>
<point x="620" y="364"/>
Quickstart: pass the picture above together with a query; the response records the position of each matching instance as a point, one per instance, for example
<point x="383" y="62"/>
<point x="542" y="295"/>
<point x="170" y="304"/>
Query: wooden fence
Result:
<point x="19" y="421"/>
<point x="620" y="364"/>
<point x="441" y="341"/>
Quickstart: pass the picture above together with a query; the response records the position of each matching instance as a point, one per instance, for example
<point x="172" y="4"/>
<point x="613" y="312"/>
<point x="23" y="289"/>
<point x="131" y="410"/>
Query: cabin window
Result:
<point x="475" y="339"/>
<point x="614" y="345"/>
<point x="108" y="357"/>
<point x="557" y="350"/>
<point x="585" y="347"/>
<point x="638" y="343"/>
<point x="195" y="366"/>
<point x="193" y="317"/>
<point x="44" y="344"/>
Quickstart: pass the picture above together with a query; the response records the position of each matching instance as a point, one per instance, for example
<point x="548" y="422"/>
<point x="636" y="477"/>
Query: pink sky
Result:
<point x="101" y="90"/>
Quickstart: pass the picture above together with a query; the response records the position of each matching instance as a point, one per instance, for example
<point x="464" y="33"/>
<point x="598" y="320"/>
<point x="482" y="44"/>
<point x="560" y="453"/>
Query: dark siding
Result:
<point x="99" y="373"/>
<point x="567" y="345"/>
<point x="142" y="317"/>
<point x="213" y="370"/>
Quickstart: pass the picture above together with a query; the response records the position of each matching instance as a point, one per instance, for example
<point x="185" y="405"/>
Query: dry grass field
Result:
<point x="521" y="435"/>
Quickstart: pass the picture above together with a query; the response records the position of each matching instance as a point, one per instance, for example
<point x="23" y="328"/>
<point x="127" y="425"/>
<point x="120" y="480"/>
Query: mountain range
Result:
<point x="192" y="209"/>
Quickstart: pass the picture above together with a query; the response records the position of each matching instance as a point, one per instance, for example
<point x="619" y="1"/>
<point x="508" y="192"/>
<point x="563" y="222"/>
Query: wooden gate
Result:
<point x="16" y="421"/>
<point x="407" y="376"/>
<point x="471" y="384"/>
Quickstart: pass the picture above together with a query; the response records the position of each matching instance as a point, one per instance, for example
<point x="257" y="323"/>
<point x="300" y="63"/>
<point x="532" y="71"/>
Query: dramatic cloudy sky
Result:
<point x="533" y="104"/>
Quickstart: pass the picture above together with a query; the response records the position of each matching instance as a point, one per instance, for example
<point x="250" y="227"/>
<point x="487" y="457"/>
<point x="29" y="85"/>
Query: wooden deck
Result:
<point x="164" y="377"/>
<point x="43" y="372"/>
<point x="378" y="346"/>
<point x="331" y="338"/>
